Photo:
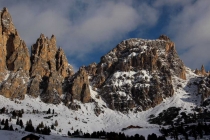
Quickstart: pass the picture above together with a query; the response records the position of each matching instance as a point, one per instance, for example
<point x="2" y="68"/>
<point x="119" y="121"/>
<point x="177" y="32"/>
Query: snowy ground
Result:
<point x="18" y="135"/>
<point x="86" y="120"/>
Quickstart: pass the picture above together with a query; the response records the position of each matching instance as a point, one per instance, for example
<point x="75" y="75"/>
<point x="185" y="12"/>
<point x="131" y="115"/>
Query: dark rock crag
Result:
<point x="137" y="73"/>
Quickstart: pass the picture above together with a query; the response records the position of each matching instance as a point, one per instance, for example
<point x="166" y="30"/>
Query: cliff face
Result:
<point x="14" y="59"/>
<point x="137" y="73"/>
<point x="49" y="68"/>
<point x="45" y="73"/>
<point x="41" y="74"/>
<point x="79" y="86"/>
<point x="14" y="53"/>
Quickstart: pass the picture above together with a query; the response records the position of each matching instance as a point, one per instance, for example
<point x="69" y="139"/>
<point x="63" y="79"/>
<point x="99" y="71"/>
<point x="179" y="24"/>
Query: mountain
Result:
<point x="131" y="85"/>
<point x="137" y="73"/>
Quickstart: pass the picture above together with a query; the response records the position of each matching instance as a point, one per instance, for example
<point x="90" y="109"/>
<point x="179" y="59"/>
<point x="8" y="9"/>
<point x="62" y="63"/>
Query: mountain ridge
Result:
<point x="137" y="82"/>
<point x="47" y="73"/>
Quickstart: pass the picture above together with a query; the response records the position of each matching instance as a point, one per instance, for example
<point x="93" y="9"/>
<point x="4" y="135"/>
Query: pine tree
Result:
<point x="20" y="114"/>
<point x="17" y="122"/>
<point x="38" y="130"/>
<point x="22" y="111"/>
<point x="3" y="110"/>
<point x="56" y="123"/>
<point x="6" y="125"/>
<point x="29" y="127"/>
<point x="142" y="138"/>
<point x="41" y="125"/>
<point x="48" y="112"/>
<point x="21" y="123"/>
<point x="14" y="114"/>
<point x="69" y="134"/>
<point x="11" y="128"/>
<point x="52" y="126"/>
<point x="30" y="122"/>
<point x="136" y="136"/>
<point x="2" y="122"/>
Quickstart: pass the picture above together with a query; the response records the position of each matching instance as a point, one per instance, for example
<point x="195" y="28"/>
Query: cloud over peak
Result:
<point x="95" y="26"/>
<point x="190" y="30"/>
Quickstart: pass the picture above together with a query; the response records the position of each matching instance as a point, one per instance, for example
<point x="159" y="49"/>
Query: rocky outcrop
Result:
<point x="34" y="86"/>
<point x="137" y="73"/>
<point x="15" y="85"/>
<point x="91" y="69"/>
<point x="14" y="59"/>
<point x="13" y="49"/>
<point x="62" y="65"/>
<point x="204" y="88"/>
<point x="48" y="70"/>
<point x="79" y="87"/>
<point x="46" y="58"/>
<point x="202" y="71"/>
<point x="43" y="74"/>
<point x="164" y="37"/>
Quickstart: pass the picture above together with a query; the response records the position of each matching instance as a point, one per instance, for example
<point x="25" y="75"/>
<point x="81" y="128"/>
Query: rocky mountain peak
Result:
<point x="164" y="37"/>
<point x="134" y="76"/>
<point x="14" y="58"/>
<point x="14" y="52"/>
<point x="43" y="54"/>
<point x="202" y="71"/>
<point x="6" y="22"/>
<point x="78" y="87"/>
<point x="62" y="65"/>
<point x="45" y="70"/>
<point x="49" y="69"/>
<point x="137" y="73"/>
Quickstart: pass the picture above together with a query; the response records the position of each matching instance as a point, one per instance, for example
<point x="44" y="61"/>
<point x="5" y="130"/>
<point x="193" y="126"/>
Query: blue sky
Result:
<point x="88" y="29"/>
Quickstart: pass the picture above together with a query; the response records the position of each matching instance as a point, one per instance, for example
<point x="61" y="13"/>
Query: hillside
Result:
<point x="140" y="82"/>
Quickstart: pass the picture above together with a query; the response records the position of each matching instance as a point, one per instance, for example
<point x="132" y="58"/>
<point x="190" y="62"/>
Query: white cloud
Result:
<point x="79" y="26"/>
<point x="190" y="31"/>
<point x="148" y="14"/>
<point x="84" y="27"/>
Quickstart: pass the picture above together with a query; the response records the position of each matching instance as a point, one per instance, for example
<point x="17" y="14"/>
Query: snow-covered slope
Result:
<point x="108" y="120"/>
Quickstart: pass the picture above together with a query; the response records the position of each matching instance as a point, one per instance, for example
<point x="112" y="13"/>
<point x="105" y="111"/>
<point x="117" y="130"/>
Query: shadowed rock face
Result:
<point x="78" y="87"/>
<point x="137" y="73"/>
<point x="49" y="68"/>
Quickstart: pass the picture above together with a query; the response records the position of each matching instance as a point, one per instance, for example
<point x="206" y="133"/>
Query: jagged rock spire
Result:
<point x="79" y="86"/>
<point x="14" y="53"/>
<point x="164" y="37"/>
<point x="203" y="71"/>
<point x="14" y="59"/>
<point x="49" y="68"/>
